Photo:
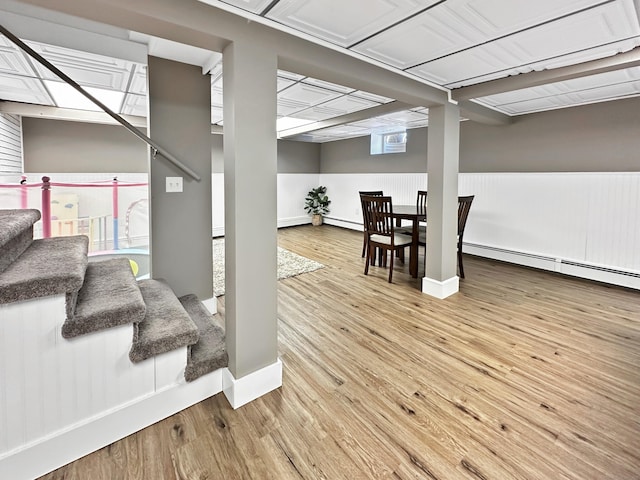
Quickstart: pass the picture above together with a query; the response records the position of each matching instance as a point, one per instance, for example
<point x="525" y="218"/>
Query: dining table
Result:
<point x="415" y="215"/>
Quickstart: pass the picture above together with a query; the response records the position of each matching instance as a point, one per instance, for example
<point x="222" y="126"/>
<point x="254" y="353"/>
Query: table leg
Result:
<point x="413" y="256"/>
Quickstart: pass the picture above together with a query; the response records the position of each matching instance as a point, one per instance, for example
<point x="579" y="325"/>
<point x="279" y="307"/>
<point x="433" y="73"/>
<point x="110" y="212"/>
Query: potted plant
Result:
<point x="316" y="204"/>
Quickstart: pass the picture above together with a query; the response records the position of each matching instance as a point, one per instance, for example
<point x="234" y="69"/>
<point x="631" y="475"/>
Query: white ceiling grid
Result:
<point x="453" y="43"/>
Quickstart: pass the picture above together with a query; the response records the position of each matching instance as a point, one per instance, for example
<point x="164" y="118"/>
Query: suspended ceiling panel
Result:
<point x="343" y="22"/>
<point x="24" y="89"/>
<point x="596" y="88"/>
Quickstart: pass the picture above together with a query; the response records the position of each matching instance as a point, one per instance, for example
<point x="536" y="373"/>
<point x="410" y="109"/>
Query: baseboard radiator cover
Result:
<point x="599" y="273"/>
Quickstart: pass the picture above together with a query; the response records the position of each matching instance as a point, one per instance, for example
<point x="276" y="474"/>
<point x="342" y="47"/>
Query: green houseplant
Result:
<point x="316" y="204"/>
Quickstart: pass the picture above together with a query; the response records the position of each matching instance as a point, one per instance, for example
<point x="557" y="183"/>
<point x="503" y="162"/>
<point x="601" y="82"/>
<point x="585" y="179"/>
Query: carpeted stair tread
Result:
<point x="166" y="326"/>
<point x="109" y="297"/>
<point x="50" y="266"/>
<point x="16" y="234"/>
<point x="210" y="353"/>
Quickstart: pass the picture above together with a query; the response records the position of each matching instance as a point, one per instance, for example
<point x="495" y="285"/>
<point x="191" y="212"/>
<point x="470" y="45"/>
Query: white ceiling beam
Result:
<point x="344" y="119"/>
<point x="620" y="61"/>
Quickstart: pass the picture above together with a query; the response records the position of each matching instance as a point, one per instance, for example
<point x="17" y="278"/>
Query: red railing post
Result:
<point x="115" y="213"/>
<point x="46" y="207"/>
<point x="23" y="192"/>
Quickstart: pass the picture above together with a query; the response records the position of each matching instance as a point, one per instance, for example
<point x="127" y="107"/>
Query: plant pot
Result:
<point x="316" y="220"/>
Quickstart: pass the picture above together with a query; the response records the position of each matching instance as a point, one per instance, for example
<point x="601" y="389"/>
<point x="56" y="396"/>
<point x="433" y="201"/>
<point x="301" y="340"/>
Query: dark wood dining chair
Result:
<point x="421" y="206"/>
<point x="380" y="230"/>
<point x="464" y="205"/>
<point x="371" y="193"/>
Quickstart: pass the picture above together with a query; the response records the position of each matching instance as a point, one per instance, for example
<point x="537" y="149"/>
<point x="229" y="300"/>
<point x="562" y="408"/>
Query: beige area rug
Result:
<point x="289" y="265"/>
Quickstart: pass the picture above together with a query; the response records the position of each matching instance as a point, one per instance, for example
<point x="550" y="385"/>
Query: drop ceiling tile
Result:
<point x="287" y="107"/>
<point x="307" y="95"/>
<point x="327" y="85"/>
<point x="316" y="114"/>
<point x="23" y="89"/>
<point x="217" y="94"/>
<point x="87" y="69"/>
<point x="344" y="22"/>
<point x="139" y="80"/>
<point x="348" y="104"/>
<point x="404" y="117"/>
<point x="13" y="61"/>
<point x="253" y="6"/>
<point x="284" y="83"/>
<point x="578" y="36"/>
<point x="374" y="123"/>
<point x="216" y="114"/>
<point x="290" y="75"/>
<point x="135" y="105"/>
<point x="372" y="96"/>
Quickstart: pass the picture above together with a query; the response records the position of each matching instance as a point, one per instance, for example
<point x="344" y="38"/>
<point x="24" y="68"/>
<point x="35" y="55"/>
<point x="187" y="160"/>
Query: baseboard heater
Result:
<point x="599" y="273"/>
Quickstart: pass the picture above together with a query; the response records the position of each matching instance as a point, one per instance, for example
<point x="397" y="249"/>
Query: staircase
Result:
<point x="88" y="354"/>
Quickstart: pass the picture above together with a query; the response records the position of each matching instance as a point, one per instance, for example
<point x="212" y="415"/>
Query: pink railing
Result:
<point x="46" y="186"/>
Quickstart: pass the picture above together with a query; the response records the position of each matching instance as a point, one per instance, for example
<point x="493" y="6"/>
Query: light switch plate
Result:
<point x="174" y="184"/>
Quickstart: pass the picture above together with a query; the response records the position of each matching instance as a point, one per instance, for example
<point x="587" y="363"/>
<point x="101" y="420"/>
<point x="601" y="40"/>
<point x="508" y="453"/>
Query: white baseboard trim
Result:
<point x="246" y="389"/>
<point x="211" y="304"/>
<point x="440" y="289"/>
<point x="339" y="222"/>
<point x="293" y="221"/>
<point x="76" y="441"/>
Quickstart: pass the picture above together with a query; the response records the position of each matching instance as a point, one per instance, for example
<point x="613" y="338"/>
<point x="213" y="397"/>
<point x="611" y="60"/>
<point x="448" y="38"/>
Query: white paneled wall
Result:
<point x="10" y="144"/>
<point x="591" y="219"/>
<point x="292" y="189"/>
<point x="61" y="399"/>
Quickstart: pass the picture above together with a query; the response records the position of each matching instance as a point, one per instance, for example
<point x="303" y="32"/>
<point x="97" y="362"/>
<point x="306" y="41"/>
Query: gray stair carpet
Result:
<point x="166" y="325"/>
<point x="16" y="234"/>
<point x="109" y="297"/>
<point x="50" y="266"/>
<point x="210" y="353"/>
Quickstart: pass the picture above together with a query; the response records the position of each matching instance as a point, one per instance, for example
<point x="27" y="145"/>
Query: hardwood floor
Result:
<point x="523" y="374"/>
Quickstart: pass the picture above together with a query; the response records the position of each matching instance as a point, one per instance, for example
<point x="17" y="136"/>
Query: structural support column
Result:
<point x="250" y="182"/>
<point x="443" y="137"/>
<point x="180" y="120"/>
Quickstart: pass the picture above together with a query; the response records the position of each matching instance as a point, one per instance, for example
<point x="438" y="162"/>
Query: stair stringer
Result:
<point x="62" y="399"/>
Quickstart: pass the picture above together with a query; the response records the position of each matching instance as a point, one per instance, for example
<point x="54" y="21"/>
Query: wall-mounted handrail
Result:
<point x="156" y="148"/>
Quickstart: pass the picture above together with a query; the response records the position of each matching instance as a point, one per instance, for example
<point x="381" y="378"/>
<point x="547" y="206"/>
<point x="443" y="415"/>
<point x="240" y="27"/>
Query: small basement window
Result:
<point x="389" y="142"/>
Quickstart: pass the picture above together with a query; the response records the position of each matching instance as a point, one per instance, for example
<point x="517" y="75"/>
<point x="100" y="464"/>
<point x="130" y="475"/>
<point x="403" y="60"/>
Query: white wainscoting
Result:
<point x="581" y="224"/>
<point x="62" y="399"/>
<point x="292" y="189"/>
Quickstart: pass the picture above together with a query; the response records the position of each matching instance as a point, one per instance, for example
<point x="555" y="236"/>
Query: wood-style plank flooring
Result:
<point x="523" y="374"/>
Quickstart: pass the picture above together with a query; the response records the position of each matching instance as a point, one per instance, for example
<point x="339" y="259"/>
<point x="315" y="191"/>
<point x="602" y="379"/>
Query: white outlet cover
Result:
<point x="174" y="184"/>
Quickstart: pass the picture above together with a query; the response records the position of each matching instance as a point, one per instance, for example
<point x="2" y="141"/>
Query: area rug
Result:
<point x="289" y="265"/>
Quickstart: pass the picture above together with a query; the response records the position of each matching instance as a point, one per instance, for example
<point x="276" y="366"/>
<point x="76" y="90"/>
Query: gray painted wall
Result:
<point x="590" y="138"/>
<point x="73" y="147"/>
<point x="68" y="147"/>
<point x="180" y="120"/>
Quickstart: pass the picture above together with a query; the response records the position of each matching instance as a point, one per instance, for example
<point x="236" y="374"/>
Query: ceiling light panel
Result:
<point x="66" y="96"/>
<point x="23" y="89"/>
<point x="579" y="37"/>
<point x="344" y="22"/>
<point x="85" y="68"/>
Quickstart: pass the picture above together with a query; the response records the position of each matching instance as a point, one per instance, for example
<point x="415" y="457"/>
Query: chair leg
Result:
<point x="364" y="246"/>
<point x="391" y="265"/>
<point x="460" y="266"/>
<point x="367" y="259"/>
